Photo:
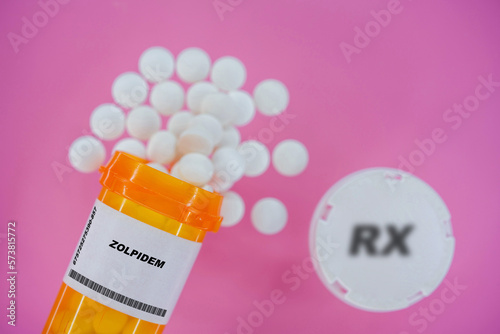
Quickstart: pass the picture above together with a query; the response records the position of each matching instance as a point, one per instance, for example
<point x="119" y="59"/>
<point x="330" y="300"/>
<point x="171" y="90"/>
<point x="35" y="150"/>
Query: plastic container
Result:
<point x="381" y="239"/>
<point x="135" y="253"/>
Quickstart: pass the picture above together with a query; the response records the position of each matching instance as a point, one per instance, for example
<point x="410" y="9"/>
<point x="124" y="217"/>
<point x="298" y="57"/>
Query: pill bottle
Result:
<point x="135" y="253"/>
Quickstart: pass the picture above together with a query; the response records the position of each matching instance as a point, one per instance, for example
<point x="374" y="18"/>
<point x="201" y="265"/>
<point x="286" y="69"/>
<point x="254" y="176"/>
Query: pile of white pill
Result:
<point x="201" y="143"/>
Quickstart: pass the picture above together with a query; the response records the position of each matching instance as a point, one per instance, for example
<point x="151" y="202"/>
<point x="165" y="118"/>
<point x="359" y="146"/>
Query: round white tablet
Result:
<point x="193" y="64"/>
<point x="132" y="146"/>
<point x="228" y="164"/>
<point x="86" y="154"/>
<point x="179" y="122"/>
<point x="174" y="171"/>
<point x="221" y="182"/>
<point x="290" y="157"/>
<point x="196" y="169"/>
<point x="232" y="209"/>
<point x="107" y="121"/>
<point x="129" y="90"/>
<point x="256" y="155"/>
<point x="382" y="240"/>
<point x="143" y="122"/>
<point x="219" y="105"/>
<point x="228" y="73"/>
<point x="269" y="215"/>
<point x="167" y="97"/>
<point x="156" y="64"/>
<point x="162" y="147"/>
<point x="230" y="138"/>
<point x="158" y="166"/>
<point x="196" y="93"/>
<point x="195" y="139"/>
<point x="271" y="97"/>
<point x="210" y="123"/>
<point x="208" y="188"/>
<point x="244" y="107"/>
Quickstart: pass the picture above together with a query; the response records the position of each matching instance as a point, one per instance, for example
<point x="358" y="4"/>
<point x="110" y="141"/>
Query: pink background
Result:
<point x="355" y="115"/>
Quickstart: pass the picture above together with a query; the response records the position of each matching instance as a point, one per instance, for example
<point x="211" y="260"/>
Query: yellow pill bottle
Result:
<point x="135" y="253"/>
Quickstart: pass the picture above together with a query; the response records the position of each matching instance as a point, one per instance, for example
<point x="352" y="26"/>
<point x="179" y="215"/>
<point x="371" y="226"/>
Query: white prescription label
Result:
<point x="130" y="266"/>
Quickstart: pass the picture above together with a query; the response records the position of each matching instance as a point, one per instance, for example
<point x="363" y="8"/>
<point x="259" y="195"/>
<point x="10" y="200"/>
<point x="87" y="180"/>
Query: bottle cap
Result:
<point x="382" y="239"/>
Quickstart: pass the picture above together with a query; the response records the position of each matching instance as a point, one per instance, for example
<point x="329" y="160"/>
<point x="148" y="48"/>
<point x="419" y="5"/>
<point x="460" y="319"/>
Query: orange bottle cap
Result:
<point x="133" y="179"/>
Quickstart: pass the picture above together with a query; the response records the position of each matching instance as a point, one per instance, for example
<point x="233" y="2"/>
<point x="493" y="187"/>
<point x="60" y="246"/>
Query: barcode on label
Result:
<point x="115" y="295"/>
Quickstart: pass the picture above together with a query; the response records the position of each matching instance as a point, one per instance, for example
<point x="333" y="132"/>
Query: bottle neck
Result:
<point x="150" y="217"/>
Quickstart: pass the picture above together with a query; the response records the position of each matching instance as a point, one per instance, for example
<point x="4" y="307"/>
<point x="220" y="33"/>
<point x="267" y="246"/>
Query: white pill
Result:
<point x="208" y="188"/>
<point x="196" y="169"/>
<point x="269" y="215"/>
<point x="195" y="140"/>
<point x="179" y="122"/>
<point x="290" y="157"/>
<point x="129" y="90"/>
<point x="230" y="138"/>
<point x="232" y="209"/>
<point x="256" y="155"/>
<point x="196" y="93"/>
<point x="210" y="123"/>
<point x="271" y="97"/>
<point x="193" y="64"/>
<point x="167" y="97"/>
<point x="228" y="73"/>
<point x="244" y="107"/>
<point x="228" y="164"/>
<point x="156" y="64"/>
<point x="107" y="121"/>
<point x="174" y="171"/>
<point x="86" y="154"/>
<point x="143" y="122"/>
<point x="220" y="182"/>
<point x="219" y="105"/>
<point x="161" y="147"/>
<point x="158" y="166"/>
<point x="132" y="146"/>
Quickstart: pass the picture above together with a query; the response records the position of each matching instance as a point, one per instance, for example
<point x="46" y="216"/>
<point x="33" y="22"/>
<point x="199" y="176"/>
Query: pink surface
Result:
<point x="351" y="115"/>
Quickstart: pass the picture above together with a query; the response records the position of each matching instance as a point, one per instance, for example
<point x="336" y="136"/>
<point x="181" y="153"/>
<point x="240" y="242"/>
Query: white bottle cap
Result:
<point x="382" y="239"/>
